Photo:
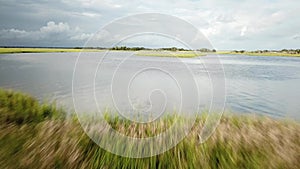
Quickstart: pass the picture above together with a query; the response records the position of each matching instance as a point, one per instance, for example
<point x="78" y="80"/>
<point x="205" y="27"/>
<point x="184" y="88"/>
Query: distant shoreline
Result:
<point x="163" y="52"/>
<point x="259" y="54"/>
<point x="44" y="50"/>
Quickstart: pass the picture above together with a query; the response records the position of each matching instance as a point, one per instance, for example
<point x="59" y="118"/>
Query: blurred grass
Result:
<point x="23" y="109"/>
<point x="43" y="50"/>
<point x="34" y="135"/>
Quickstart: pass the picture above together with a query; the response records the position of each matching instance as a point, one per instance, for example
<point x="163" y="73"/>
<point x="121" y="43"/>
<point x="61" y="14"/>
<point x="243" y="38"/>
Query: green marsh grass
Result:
<point x="43" y="50"/>
<point x="44" y="139"/>
<point x="179" y="54"/>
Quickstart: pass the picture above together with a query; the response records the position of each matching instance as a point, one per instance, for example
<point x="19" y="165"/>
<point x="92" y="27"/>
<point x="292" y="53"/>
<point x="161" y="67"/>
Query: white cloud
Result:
<point x="55" y="28"/>
<point x="90" y="14"/>
<point x="53" y="33"/>
<point x="12" y="33"/>
<point x="244" y="30"/>
<point x="83" y="36"/>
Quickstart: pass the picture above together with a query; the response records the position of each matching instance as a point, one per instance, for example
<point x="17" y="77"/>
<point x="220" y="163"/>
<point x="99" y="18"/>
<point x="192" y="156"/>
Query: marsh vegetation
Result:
<point x="35" y="135"/>
<point x="44" y="50"/>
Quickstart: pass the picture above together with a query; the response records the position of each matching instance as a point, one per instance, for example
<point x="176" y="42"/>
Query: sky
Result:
<point x="227" y="24"/>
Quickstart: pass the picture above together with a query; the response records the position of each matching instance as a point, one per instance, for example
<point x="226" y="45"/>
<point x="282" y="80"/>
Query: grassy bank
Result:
<point x="159" y="53"/>
<point x="180" y="54"/>
<point x="34" y="135"/>
<point x="43" y="50"/>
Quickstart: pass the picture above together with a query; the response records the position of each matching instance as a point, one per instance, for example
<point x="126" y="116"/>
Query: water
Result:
<point x="254" y="84"/>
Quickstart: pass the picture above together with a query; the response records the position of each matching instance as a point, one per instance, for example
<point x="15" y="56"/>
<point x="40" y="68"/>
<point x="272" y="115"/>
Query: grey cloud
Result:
<point x="296" y="37"/>
<point x="268" y="22"/>
<point x="226" y="18"/>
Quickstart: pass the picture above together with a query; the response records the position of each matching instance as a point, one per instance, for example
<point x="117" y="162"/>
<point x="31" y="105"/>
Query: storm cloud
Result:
<point x="229" y="24"/>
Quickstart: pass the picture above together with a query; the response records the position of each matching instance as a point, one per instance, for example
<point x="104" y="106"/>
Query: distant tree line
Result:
<point x="89" y="48"/>
<point x="143" y="48"/>
<point x="239" y="51"/>
<point x="207" y="50"/>
<point x="128" y="48"/>
<point x="167" y="49"/>
<point x="174" y="49"/>
<point x="289" y="51"/>
<point x="119" y="48"/>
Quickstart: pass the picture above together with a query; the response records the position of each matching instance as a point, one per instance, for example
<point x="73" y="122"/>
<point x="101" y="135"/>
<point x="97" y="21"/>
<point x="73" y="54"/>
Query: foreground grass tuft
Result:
<point x="45" y="140"/>
<point x="23" y="109"/>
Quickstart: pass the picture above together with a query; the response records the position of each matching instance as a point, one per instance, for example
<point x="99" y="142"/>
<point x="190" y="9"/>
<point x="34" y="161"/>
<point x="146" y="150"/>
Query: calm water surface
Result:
<point x="254" y="84"/>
